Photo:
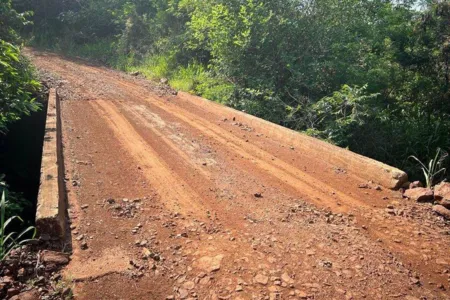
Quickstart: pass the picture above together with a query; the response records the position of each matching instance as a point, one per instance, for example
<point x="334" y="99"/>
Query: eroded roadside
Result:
<point x="173" y="199"/>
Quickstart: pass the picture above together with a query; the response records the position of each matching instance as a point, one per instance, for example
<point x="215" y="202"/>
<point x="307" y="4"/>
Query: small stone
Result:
<point x="28" y="295"/>
<point x="310" y="252"/>
<point x="442" y="191"/>
<point x="441" y="210"/>
<point x="209" y="264"/>
<point x="146" y="253"/>
<point x="205" y="280"/>
<point x="444" y="202"/>
<point x="12" y="292"/>
<point x="420" y="194"/>
<point x="261" y="279"/>
<point x="7" y="280"/>
<point x="52" y="260"/>
<point x="183" y="293"/>
<point x="21" y="272"/>
<point x="286" y="278"/>
<point x="415" y="281"/>
<point x="84" y="206"/>
<point x="301" y="294"/>
<point x="326" y="264"/>
<point x="239" y="288"/>
<point x="415" y="184"/>
<point x="84" y="245"/>
<point x="189" y="285"/>
<point x="442" y="262"/>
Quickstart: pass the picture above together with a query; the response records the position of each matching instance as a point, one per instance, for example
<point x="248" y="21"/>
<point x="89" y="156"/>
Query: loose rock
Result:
<point x="209" y="264"/>
<point x="52" y="257"/>
<point x="261" y="279"/>
<point x="420" y="194"/>
<point x="415" y="184"/>
<point x="442" y="194"/>
<point x="28" y="295"/>
<point x="441" y="210"/>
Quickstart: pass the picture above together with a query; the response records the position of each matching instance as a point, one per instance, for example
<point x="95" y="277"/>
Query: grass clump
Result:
<point x="11" y="240"/>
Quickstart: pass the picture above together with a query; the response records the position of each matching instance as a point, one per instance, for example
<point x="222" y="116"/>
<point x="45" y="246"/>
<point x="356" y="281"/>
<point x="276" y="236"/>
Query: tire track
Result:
<point x="175" y="192"/>
<point x="305" y="184"/>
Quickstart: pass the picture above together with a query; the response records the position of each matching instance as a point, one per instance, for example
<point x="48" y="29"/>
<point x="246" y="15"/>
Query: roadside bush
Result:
<point x="17" y="85"/>
<point x="153" y="67"/>
<point x="17" y="79"/>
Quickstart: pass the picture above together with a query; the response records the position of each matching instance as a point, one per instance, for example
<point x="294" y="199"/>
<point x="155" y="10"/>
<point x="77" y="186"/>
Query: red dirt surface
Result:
<point x="175" y="199"/>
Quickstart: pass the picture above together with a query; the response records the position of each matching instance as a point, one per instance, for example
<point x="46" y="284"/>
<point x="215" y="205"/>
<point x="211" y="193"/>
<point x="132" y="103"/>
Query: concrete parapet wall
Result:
<point x="51" y="204"/>
<point x="365" y="168"/>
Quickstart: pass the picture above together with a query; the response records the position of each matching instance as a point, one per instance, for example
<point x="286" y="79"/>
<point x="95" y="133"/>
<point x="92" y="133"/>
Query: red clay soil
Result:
<point x="174" y="199"/>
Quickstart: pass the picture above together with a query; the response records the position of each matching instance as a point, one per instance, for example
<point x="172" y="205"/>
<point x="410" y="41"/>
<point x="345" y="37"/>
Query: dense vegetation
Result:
<point x="17" y="82"/>
<point x="17" y="89"/>
<point x="373" y="76"/>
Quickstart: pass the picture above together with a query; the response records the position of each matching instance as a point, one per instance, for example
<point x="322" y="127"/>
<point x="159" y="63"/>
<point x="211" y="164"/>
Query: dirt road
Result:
<point x="172" y="197"/>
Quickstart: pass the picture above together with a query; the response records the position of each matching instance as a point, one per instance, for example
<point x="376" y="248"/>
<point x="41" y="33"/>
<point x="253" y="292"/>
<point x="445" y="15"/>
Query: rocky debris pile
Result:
<point x="308" y="214"/>
<point x="65" y="90"/>
<point x="124" y="208"/>
<point x="244" y="127"/>
<point x="439" y="196"/>
<point x="30" y="274"/>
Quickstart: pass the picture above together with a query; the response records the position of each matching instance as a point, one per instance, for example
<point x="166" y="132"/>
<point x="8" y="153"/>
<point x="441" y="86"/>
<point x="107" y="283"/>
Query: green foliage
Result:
<point x="434" y="167"/>
<point x="10" y="21"/>
<point x="154" y="67"/>
<point x="372" y="76"/>
<point x="17" y="84"/>
<point x="102" y="51"/>
<point x="339" y="115"/>
<point x="11" y="240"/>
<point x="214" y="88"/>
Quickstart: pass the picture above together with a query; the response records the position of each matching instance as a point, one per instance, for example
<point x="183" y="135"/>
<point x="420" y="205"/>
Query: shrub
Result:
<point x="17" y="85"/>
